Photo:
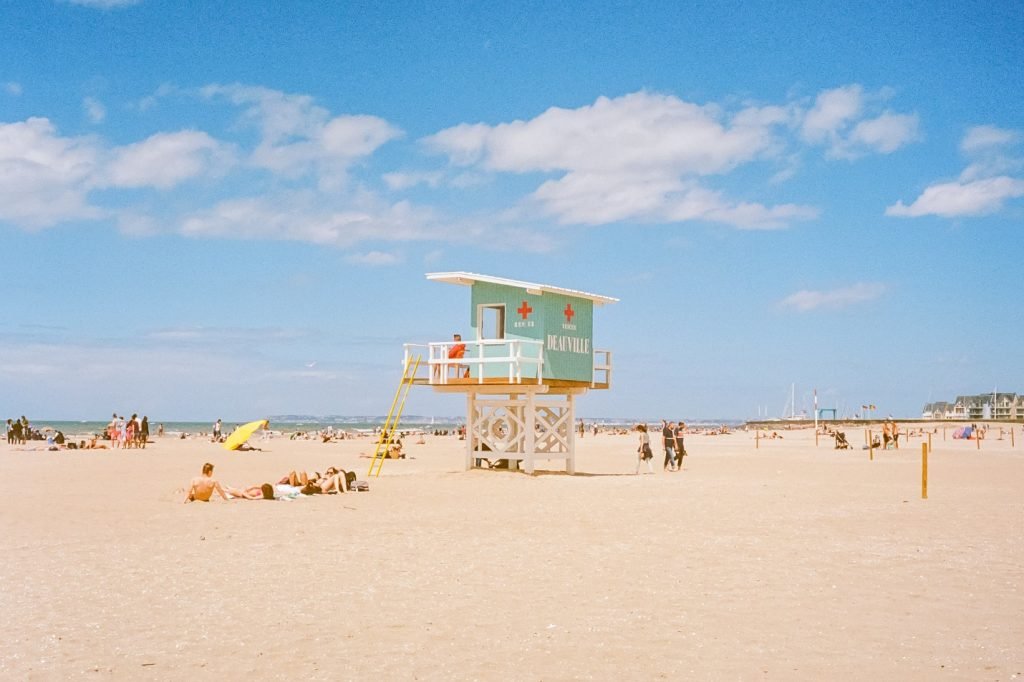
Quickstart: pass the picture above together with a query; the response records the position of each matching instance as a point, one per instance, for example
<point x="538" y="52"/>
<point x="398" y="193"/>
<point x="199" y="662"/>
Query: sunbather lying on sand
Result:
<point x="253" y="492"/>
<point x="333" y="481"/>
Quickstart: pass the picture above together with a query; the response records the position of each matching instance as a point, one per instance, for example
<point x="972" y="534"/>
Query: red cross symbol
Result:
<point x="569" y="312"/>
<point x="525" y="310"/>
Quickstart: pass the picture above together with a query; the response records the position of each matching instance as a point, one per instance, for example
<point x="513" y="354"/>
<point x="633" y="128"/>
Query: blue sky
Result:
<point x="228" y="209"/>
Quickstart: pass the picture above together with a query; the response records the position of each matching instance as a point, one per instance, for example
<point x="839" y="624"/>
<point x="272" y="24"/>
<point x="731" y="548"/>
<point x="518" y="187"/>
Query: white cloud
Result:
<point x="225" y="336"/>
<point x="167" y="159"/>
<point x="884" y="134"/>
<point x="594" y="199"/>
<point x="44" y="178"/>
<point x="636" y="132"/>
<point x="346" y="221"/>
<point x="838" y="121"/>
<point x="12" y="88"/>
<point x="105" y="4"/>
<point x="299" y="137"/>
<point x="149" y="101"/>
<point x="433" y="256"/>
<point x="94" y="110"/>
<point x="961" y="199"/>
<point x="992" y="152"/>
<point x="632" y="157"/>
<point x="832" y="111"/>
<point x="807" y="300"/>
<point x="303" y="216"/>
<point x="373" y="258"/>
<point x="400" y="180"/>
<point x="986" y="137"/>
<point x="983" y="187"/>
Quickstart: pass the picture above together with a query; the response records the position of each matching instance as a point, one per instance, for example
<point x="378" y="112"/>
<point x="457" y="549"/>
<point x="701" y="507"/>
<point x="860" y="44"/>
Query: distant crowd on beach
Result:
<point x="128" y="433"/>
<point x="20" y="431"/>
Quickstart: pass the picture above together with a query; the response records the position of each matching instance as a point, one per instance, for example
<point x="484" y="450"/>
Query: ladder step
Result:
<point x="387" y="434"/>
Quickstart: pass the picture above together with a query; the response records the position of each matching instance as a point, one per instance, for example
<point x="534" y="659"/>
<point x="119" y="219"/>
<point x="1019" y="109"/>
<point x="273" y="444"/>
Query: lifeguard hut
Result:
<point x="531" y="355"/>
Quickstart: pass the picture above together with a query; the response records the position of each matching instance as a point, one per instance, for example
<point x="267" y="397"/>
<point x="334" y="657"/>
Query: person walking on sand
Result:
<point x="144" y="432"/>
<point x="216" y="431"/>
<point x="677" y="433"/>
<point x="122" y="431"/>
<point x="129" y="433"/>
<point x="668" y="441"/>
<point x="643" y="450"/>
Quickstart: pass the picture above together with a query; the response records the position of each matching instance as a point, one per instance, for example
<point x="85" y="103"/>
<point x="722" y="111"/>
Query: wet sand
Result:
<point x="787" y="561"/>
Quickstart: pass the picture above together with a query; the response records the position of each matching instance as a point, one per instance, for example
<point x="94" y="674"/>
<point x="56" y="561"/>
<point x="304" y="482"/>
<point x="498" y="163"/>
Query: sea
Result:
<point x="288" y="424"/>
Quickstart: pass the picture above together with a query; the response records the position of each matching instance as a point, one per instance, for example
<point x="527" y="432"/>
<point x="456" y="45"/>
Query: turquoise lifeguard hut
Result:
<point x="531" y="353"/>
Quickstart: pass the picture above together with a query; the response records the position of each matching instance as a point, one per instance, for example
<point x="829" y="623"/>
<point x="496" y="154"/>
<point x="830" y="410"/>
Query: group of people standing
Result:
<point x="672" y="442"/>
<point x="18" y="431"/>
<point x="128" y="433"/>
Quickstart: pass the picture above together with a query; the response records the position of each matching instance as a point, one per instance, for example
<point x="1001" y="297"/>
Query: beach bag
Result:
<point x="647" y="453"/>
<point x="360" y="486"/>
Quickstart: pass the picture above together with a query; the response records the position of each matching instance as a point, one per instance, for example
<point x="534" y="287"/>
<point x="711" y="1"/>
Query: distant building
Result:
<point x="999" y="406"/>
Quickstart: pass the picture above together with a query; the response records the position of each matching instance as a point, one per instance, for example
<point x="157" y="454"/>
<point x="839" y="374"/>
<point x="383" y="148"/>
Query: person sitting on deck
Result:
<point x="457" y="352"/>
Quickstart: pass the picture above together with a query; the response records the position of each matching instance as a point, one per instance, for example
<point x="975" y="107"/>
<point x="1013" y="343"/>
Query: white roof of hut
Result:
<point x="468" y="278"/>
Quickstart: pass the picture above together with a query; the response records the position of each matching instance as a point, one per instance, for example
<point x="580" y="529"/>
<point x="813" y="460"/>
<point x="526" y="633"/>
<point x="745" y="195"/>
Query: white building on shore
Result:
<point x="998" y="406"/>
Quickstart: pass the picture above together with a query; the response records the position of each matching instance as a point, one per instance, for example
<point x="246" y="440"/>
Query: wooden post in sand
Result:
<point x="757" y="439"/>
<point x="924" y="471"/>
<point x="815" y="437"/>
<point x="977" y="439"/>
<point x="871" y="447"/>
<point x="1011" y="437"/>
<point x="929" y="442"/>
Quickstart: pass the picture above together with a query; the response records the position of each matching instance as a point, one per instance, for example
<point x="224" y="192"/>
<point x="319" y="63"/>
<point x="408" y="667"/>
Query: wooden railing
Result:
<point x="518" y="361"/>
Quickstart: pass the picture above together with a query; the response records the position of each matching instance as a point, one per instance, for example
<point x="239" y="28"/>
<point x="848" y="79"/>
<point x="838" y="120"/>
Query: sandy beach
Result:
<point x="786" y="561"/>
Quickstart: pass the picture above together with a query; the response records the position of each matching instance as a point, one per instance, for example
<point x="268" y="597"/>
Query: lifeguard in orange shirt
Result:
<point x="457" y="352"/>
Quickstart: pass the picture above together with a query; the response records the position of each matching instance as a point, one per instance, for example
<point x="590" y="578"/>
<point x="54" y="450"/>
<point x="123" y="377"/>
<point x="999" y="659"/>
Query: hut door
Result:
<point x="491" y="322"/>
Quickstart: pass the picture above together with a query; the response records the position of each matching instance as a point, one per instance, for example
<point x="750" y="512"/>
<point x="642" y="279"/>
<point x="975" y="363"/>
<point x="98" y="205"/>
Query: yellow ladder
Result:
<point x="387" y="435"/>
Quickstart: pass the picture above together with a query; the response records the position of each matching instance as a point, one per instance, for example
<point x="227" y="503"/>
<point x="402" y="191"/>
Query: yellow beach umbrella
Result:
<point x="242" y="434"/>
